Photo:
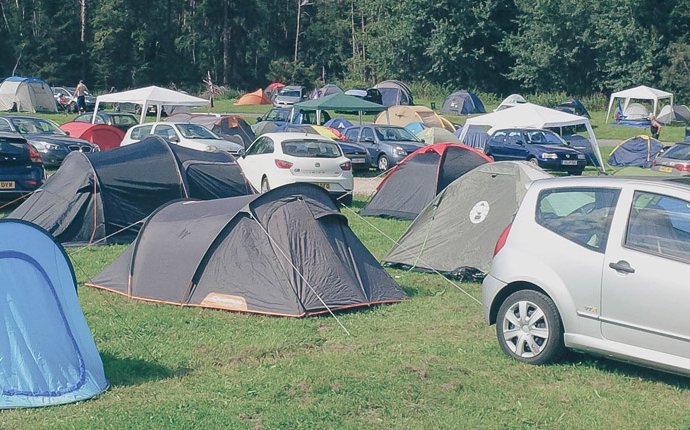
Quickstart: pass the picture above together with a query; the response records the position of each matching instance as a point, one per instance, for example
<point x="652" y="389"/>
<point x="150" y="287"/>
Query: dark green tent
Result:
<point x="340" y="102"/>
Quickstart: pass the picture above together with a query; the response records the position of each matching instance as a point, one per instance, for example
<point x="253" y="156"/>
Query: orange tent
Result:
<point x="255" y="98"/>
<point x="105" y="136"/>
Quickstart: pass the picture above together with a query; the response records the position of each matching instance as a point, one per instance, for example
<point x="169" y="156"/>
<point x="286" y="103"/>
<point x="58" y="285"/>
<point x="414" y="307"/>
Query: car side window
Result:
<point x="514" y="137"/>
<point x="263" y="145"/>
<point x="499" y="136"/>
<point x="164" y="131"/>
<point x="581" y="215"/>
<point x="659" y="225"/>
<point x="352" y="134"/>
<point x="139" y="133"/>
<point x="5" y="125"/>
<point x="367" y="135"/>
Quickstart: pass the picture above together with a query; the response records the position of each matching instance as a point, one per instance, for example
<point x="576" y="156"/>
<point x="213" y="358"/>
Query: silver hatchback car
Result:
<point x="599" y="265"/>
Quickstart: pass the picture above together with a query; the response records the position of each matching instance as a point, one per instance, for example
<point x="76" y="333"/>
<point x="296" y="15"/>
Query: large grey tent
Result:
<point x="26" y="95"/>
<point x="456" y="233"/>
<point x="287" y="252"/>
<point x="106" y="194"/>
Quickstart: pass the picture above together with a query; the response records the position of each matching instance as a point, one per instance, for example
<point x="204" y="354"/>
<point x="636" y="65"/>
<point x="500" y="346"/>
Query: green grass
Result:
<point x="429" y="362"/>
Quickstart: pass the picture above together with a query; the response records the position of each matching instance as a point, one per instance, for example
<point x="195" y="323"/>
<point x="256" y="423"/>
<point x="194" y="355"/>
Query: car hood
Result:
<point x="287" y="99"/>
<point x="51" y="138"/>
<point x="553" y="148"/>
<point x="223" y="145"/>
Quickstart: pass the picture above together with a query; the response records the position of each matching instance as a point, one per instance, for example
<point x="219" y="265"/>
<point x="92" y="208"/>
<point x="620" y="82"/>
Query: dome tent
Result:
<point x="287" y="252"/>
<point x="456" y="232"/>
<point x="99" y="194"/>
<point x="637" y="151"/>
<point x="394" y="93"/>
<point x="463" y="102"/>
<point x="26" y="95"/>
<point x="418" y="178"/>
<point x="47" y="354"/>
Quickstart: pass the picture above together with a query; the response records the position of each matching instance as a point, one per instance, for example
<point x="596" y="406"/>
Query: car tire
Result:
<point x="264" y="185"/>
<point x="519" y="336"/>
<point x="533" y="161"/>
<point x="383" y="163"/>
<point x="491" y="157"/>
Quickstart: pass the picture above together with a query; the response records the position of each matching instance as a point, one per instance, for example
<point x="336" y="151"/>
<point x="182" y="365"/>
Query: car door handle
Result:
<point x="622" y="266"/>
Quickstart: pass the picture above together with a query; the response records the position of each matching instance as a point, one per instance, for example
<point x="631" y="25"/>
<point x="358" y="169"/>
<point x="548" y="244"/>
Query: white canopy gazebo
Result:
<point x="529" y="115"/>
<point x="150" y="96"/>
<point x="642" y="92"/>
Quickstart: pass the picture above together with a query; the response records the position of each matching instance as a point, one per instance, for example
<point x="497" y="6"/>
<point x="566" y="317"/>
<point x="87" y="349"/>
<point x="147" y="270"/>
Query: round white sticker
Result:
<point x="479" y="212"/>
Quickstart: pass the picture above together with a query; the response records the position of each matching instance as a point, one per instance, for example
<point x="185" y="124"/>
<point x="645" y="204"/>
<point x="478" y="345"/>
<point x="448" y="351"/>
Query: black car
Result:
<point x="52" y="143"/>
<point x="21" y="168"/>
<point x="543" y="148"/>
<point x="123" y="121"/>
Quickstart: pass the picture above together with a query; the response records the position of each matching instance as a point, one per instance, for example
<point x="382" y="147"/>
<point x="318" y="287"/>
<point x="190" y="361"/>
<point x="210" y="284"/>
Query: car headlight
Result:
<point x="580" y="156"/>
<point x="211" y="148"/>
<point x="549" y="156"/>
<point x="43" y="146"/>
<point x="398" y="151"/>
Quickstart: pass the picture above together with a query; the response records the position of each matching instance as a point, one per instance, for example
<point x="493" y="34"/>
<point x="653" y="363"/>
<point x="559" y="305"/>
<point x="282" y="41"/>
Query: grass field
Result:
<point x="429" y="362"/>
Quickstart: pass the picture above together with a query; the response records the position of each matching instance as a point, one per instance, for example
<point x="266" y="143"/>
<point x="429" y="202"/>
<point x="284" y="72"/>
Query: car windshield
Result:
<point x="541" y="137"/>
<point x="193" y="131"/>
<point x="290" y="93"/>
<point x="311" y="148"/>
<point x="278" y="115"/>
<point x="124" y="119"/>
<point x="395" y="134"/>
<point x="678" y="152"/>
<point x="36" y="126"/>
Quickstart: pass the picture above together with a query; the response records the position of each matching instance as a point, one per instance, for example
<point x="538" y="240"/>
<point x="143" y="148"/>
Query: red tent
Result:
<point x="419" y="177"/>
<point x="255" y="98"/>
<point x="105" y="136"/>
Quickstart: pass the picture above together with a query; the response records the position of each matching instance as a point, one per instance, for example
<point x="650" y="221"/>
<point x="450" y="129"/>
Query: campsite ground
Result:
<point x="429" y="362"/>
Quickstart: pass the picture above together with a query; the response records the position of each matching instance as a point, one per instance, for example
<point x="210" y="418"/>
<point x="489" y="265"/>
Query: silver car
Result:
<point x="599" y="265"/>
<point x="289" y="95"/>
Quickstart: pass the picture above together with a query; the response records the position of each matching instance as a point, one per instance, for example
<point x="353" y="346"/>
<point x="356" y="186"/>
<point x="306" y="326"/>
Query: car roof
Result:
<point x="383" y="125"/>
<point x="24" y="117"/>
<point x="279" y="137"/>
<point x="601" y="181"/>
<point x="12" y="135"/>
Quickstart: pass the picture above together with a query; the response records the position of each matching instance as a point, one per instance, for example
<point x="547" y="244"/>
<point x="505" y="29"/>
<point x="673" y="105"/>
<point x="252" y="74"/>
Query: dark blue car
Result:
<point x="543" y="148"/>
<point x="21" y="168"/>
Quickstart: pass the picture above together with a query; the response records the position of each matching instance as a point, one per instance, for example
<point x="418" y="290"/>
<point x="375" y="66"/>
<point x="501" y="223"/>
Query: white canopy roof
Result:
<point x="642" y="92"/>
<point x="151" y="96"/>
<point x="529" y="115"/>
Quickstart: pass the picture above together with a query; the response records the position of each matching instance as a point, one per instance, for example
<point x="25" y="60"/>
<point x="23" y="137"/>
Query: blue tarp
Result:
<point x="47" y="354"/>
<point x="637" y="151"/>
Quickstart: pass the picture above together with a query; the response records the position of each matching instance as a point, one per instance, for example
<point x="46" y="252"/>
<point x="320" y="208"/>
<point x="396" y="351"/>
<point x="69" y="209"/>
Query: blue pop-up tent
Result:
<point x="47" y="354"/>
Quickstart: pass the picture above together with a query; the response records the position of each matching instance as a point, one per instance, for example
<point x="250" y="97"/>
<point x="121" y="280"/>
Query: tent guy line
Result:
<point x="422" y="261"/>
<point x="273" y="241"/>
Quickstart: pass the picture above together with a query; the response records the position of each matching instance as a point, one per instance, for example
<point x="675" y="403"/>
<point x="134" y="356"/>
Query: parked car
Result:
<point x="599" y="265"/>
<point x="67" y="93"/>
<point x="192" y="136"/>
<point x="289" y="95"/>
<point x="276" y="159"/>
<point x="21" y="167"/>
<point x="52" y="143"/>
<point x="675" y="159"/>
<point x="387" y="145"/>
<point x="370" y="94"/>
<point x="543" y="148"/>
<point x="123" y="121"/>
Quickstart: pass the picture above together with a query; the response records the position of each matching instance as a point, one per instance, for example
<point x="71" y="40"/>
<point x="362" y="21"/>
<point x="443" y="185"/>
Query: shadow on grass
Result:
<point x="627" y="369"/>
<point x="125" y="372"/>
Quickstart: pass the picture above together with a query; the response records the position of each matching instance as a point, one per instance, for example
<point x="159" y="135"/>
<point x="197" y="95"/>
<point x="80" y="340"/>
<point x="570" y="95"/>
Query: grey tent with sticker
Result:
<point x="456" y="233"/>
<point x="286" y="252"/>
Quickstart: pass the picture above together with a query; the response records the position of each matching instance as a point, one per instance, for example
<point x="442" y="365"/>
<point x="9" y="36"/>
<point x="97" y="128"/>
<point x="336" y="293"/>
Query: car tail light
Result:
<point x="502" y="239"/>
<point x="32" y="182"/>
<point x="346" y="166"/>
<point x="682" y="167"/>
<point x="282" y="164"/>
<point x="33" y="154"/>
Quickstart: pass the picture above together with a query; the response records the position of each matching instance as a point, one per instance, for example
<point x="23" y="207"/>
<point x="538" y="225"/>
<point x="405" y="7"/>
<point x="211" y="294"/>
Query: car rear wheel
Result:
<point x="383" y="163"/>
<point x="264" y="185"/>
<point x="529" y="328"/>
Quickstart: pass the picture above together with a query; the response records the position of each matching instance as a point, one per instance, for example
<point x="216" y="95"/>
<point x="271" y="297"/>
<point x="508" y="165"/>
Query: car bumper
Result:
<point x="490" y="288"/>
<point x="359" y="162"/>
<point x="333" y="185"/>
<point x="578" y="165"/>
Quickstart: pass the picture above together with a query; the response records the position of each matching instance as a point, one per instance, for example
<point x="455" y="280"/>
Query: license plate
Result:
<point x="7" y="185"/>
<point x="357" y="160"/>
<point x="569" y="162"/>
<point x="665" y="169"/>
<point x="324" y="185"/>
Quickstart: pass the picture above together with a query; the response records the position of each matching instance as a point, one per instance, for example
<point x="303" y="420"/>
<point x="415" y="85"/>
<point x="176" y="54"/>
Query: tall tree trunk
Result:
<point x="299" y="13"/>
<point x="82" y="38"/>
<point x="226" y="42"/>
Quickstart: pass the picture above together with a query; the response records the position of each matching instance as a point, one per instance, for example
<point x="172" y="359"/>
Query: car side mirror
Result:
<point x="520" y="142"/>
<point x="368" y="139"/>
<point x="67" y="133"/>
<point x="174" y="139"/>
<point x="258" y="119"/>
<point x="242" y="152"/>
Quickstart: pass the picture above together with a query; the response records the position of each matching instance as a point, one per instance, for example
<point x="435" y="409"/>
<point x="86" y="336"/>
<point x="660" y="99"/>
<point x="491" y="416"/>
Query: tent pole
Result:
<point x="142" y="117"/>
<point x="158" y="112"/>
<point x="95" y="109"/>
<point x="360" y="117"/>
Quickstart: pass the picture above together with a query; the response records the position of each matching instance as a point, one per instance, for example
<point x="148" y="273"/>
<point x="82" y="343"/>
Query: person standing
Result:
<point x="80" y="92"/>
<point x="654" y="127"/>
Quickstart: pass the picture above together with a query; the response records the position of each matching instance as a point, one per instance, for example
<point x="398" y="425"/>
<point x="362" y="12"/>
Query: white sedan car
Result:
<point x="599" y="265"/>
<point x="276" y="159"/>
<point x="188" y="135"/>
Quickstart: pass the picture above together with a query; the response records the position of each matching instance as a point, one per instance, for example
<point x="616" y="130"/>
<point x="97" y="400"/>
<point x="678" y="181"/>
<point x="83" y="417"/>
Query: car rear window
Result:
<point x="13" y="148"/>
<point x="311" y="148"/>
<point x="581" y="215"/>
